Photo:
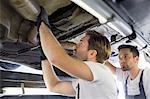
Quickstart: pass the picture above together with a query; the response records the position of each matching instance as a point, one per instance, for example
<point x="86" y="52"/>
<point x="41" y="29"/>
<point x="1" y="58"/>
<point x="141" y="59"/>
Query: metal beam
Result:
<point x="14" y="79"/>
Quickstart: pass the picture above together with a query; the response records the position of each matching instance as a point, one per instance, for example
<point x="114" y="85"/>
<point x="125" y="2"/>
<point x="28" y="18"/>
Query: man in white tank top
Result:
<point x="94" y="80"/>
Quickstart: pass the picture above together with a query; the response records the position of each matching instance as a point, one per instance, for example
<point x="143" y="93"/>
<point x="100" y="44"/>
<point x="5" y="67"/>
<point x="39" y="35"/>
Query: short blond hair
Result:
<point x="99" y="43"/>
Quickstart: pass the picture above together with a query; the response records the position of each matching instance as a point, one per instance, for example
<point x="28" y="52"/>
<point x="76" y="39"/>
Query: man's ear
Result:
<point x="92" y="54"/>
<point x="137" y="58"/>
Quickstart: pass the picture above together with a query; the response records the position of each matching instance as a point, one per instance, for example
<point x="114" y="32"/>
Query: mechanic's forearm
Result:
<point x="49" y="75"/>
<point x="50" y="45"/>
<point x="53" y="83"/>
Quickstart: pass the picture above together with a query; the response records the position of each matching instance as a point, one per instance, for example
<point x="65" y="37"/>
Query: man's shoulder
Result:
<point x="93" y="64"/>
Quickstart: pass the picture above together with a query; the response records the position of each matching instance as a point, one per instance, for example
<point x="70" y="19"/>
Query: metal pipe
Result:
<point x="27" y="8"/>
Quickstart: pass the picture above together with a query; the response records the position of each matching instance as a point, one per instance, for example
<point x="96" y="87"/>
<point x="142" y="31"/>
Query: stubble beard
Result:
<point x="125" y="68"/>
<point x="80" y="57"/>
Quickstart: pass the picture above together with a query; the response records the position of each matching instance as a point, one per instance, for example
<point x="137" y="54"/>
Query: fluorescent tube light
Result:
<point x="91" y="7"/>
<point x="115" y="28"/>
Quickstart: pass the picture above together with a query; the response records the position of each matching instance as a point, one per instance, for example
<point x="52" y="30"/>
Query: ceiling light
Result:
<point x="103" y="12"/>
<point x="92" y="7"/>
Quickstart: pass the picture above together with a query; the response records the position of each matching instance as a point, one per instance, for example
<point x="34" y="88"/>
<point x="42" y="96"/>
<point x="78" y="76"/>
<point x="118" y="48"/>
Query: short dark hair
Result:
<point x="133" y="49"/>
<point x="101" y="44"/>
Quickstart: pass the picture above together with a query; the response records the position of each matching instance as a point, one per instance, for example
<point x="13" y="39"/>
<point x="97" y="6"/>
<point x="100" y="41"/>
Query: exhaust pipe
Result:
<point x="27" y="8"/>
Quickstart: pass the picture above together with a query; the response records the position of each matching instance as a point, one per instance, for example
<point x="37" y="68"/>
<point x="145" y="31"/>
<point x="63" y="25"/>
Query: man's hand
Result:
<point x="43" y="17"/>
